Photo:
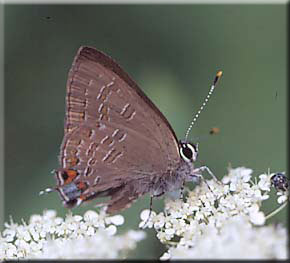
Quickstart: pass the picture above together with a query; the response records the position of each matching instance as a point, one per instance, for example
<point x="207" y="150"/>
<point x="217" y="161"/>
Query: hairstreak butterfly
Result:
<point x="116" y="142"/>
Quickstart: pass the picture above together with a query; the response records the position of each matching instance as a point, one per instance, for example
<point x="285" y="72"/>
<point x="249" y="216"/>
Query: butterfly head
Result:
<point x="188" y="151"/>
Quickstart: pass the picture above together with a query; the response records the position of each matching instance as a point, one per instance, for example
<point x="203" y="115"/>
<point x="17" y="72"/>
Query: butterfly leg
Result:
<point x="181" y="191"/>
<point x="197" y="174"/>
<point x="150" y="211"/>
<point x="150" y="207"/>
<point x="199" y="170"/>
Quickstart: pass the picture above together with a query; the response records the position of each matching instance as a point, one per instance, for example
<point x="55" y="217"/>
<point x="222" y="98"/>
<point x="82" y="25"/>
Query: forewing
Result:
<point x="99" y="91"/>
<point x="114" y="134"/>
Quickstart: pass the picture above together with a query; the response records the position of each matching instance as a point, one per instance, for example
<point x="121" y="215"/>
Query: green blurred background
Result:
<point x="173" y="53"/>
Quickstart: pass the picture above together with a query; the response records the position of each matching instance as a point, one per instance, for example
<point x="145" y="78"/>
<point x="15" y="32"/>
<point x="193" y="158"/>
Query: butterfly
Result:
<point x="116" y="142"/>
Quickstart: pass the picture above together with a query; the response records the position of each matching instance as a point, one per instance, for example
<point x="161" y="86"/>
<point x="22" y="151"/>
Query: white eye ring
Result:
<point x="183" y="156"/>
<point x="192" y="150"/>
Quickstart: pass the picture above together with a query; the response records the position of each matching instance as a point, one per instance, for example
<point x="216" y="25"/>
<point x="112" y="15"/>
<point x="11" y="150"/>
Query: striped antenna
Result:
<point x="217" y="77"/>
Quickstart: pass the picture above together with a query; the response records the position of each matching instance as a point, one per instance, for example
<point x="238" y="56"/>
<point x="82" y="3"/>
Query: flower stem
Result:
<point x="276" y="211"/>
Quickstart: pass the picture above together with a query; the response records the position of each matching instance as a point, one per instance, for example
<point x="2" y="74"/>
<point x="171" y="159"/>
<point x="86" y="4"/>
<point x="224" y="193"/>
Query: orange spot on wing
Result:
<point x="82" y="186"/>
<point x="71" y="175"/>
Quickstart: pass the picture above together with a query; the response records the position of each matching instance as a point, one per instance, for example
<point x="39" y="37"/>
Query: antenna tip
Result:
<point x="217" y="77"/>
<point x="219" y="73"/>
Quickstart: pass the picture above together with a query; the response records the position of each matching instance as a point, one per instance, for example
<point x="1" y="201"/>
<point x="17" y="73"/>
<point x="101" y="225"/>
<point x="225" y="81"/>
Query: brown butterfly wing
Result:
<point x="115" y="137"/>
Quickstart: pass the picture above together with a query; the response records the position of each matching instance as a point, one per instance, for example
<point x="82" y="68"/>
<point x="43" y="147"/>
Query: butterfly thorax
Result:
<point x="173" y="180"/>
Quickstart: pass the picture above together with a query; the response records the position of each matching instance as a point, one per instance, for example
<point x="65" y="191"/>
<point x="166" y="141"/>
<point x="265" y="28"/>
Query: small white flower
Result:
<point x="159" y="221"/>
<point x="257" y="218"/>
<point x="90" y="231"/>
<point x="240" y="173"/>
<point x="117" y="220"/>
<point x="49" y="214"/>
<point x="10" y="230"/>
<point x="35" y="219"/>
<point x="282" y="198"/>
<point x="162" y="237"/>
<point x="169" y="232"/>
<point x="136" y="235"/>
<point x="146" y="217"/>
<point x="165" y="256"/>
<point x="91" y="215"/>
<point x="111" y="230"/>
<point x="145" y="214"/>
<point x="265" y="182"/>
<point x="226" y="179"/>
<point x="11" y="250"/>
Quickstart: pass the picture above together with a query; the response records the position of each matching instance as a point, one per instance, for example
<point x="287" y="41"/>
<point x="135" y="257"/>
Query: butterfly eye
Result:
<point x="188" y="152"/>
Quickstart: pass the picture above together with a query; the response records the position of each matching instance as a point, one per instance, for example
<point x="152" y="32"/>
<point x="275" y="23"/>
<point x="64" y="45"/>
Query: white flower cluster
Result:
<point x="50" y="237"/>
<point x="223" y="222"/>
<point x="237" y="239"/>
